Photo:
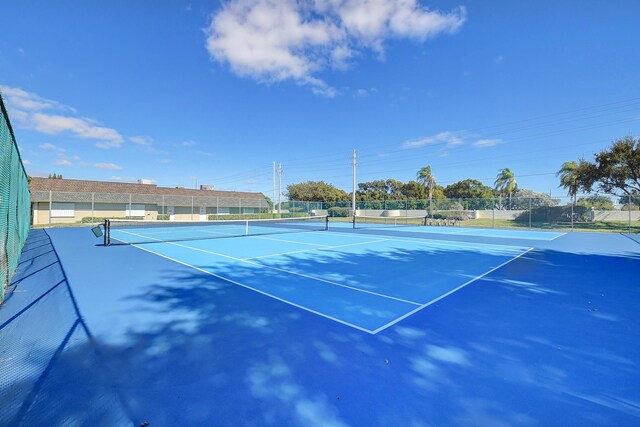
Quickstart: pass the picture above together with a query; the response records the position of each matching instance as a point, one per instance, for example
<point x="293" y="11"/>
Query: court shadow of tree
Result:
<point x="509" y="349"/>
<point x="543" y="340"/>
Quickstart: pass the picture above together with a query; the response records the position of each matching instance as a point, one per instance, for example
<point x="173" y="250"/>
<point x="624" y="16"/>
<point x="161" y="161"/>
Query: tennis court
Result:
<point x="304" y="322"/>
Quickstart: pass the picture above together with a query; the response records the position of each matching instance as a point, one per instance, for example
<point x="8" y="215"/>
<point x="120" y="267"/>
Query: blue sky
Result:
<point x="176" y="91"/>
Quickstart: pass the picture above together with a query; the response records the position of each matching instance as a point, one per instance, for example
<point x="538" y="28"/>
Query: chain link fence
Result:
<point x="596" y="213"/>
<point x="14" y="202"/>
<point x="589" y="213"/>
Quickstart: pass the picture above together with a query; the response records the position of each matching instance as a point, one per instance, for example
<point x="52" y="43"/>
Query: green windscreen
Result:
<point x="15" y="210"/>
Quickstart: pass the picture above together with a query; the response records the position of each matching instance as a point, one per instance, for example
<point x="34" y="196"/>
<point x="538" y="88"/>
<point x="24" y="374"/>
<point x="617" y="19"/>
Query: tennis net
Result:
<point x="128" y="232"/>
<point x="382" y="221"/>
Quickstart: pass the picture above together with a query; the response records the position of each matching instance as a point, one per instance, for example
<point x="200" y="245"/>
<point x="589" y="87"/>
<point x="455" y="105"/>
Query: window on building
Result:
<point x="63" y="210"/>
<point x="136" y="210"/>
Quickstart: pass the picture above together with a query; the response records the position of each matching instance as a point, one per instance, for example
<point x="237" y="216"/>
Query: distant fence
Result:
<point x="540" y="213"/>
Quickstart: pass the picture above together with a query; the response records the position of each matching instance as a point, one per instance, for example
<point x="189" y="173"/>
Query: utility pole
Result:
<point x="273" y="201"/>
<point x="280" y="187"/>
<point x="353" y="195"/>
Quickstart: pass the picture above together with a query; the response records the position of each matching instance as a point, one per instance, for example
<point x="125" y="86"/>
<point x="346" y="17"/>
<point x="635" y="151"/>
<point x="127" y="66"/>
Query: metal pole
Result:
<point x="273" y="202"/>
<point x="129" y="213"/>
<point x="529" y="213"/>
<point x="493" y="213"/>
<point x="50" y="206"/>
<point x="629" y="209"/>
<point x="191" y="208"/>
<point x="571" y="215"/>
<point x="240" y="204"/>
<point x="163" y="206"/>
<point x="280" y="188"/>
<point x="353" y="195"/>
<point x="92" y="205"/>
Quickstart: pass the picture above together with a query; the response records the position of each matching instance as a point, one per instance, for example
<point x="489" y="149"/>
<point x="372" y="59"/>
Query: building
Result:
<point x="73" y="200"/>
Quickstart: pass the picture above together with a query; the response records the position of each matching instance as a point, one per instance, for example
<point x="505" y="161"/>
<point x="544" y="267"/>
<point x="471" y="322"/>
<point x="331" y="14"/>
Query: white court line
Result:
<point x="316" y="249"/>
<point x="257" y="290"/>
<point x="424" y="241"/>
<point x="382" y="328"/>
<point x="562" y="234"/>
<point x="286" y="271"/>
<point x="283" y="240"/>
<point x="473" y="232"/>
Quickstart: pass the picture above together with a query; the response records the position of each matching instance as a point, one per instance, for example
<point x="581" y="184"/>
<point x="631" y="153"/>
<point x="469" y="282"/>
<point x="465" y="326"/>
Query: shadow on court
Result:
<point x="548" y="339"/>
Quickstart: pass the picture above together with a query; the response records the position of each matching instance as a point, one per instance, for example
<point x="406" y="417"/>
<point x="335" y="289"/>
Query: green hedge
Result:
<point x="552" y="214"/>
<point x="100" y="219"/>
<point x="339" y="212"/>
<point x="228" y="217"/>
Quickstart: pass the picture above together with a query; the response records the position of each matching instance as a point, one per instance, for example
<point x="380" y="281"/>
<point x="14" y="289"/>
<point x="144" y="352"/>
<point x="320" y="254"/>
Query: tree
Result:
<point x="570" y="178"/>
<point x="505" y="183"/>
<point x="469" y="189"/>
<point x="428" y="181"/>
<point x="616" y="171"/>
<point x="317" y="191"/>
<point x="412" y="190"/>
<point x="597" y="202"/>
<point x="525" y="198"/>
<point x="390" y="189"/>
<point x="478" y="195"/>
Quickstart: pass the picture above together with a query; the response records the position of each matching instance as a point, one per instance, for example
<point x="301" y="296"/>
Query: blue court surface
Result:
<point x="381" y="326"/>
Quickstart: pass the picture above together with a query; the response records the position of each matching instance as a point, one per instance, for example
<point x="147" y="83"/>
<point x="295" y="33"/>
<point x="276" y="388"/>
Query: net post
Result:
<point x="353" y="221"/>
<point x="246" y="228"/>
<point x="106" y="233"/>
<point x="326" y="223"/>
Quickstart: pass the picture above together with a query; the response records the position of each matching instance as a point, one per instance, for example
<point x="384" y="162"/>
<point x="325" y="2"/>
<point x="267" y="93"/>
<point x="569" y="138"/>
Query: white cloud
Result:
<point x="483" y="143"/>
<point x="26" y="101"/>
<point x="278" y="40"/>
<point x="26" y="162"/>
<point x="112" y="166"/>
<point x="447" y="138"/>
<point x="48" y="146"/>
<point x="188" y="143"/>
<point x="62" y="162"/>
<point x="141" y="140"/>
<point x="50" y="117"/>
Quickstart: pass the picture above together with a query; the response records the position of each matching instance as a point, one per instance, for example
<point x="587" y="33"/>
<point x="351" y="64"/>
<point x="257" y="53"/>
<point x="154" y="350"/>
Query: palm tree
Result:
<point x="569" y="175"/>
<point x="505" y="183"/>
<point x="428" y="181"/>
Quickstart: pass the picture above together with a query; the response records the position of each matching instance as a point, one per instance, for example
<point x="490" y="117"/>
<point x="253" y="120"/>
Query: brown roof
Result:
<point x="78" y="185"/>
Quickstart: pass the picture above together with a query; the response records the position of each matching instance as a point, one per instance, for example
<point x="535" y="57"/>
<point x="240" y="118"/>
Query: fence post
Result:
<point x="240" y="205"/>
<point x="529" y="213"/>
<point x="191" y="208"/>
<point x="629" y="209"/>
<point x="92" y="205"/>
<point x="163" y="206"/>
<point x="50" y="206"/>
<point x="493" y="213"/>
<point x="129" y="212"/>
<point x="571" y="214"/>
